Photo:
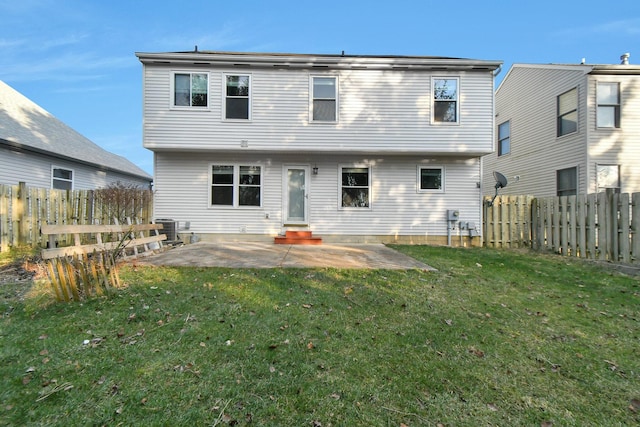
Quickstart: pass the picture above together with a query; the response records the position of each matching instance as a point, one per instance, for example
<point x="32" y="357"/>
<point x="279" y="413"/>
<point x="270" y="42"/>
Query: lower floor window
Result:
<point x="567" y="181"/>
<point x="608" y="176"/>
<point x="430" y="179"/>
<point x="61" y="179"/>
<point x="355" y="187"/>
<point x="236" y="185"/>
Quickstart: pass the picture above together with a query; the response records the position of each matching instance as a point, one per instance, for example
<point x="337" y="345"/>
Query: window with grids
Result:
<point x="190" y="89"/>
<point x="567" y="182"/>
<point x="608" y="113"/>
<point x="325" y="99"/>
<point x="568" y="112"/>
<point x="355" y="186"/>
<point x="504" y="138"/>
<point x="445" y="100"/>
<point x="236" y="185"/>
<point x="608" y="176"/>
<point x="237" y="97"/>
<point x="61" y="179"/>
<point x="430" y="179"/>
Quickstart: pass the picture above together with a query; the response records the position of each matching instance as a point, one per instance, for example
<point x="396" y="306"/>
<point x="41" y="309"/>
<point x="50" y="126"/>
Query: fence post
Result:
<point x="623" y="229"/>
<point x="635" y="227"/>
<point x="21" y="213"/>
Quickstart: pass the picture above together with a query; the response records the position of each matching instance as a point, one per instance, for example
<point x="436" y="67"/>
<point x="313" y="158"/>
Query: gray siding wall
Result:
<point x="397" y="208"/>
<point x="379" y="111"/>
<point x="616" y="146"/>
<point x="528" y="99"/>
<point x="35" y="171"/>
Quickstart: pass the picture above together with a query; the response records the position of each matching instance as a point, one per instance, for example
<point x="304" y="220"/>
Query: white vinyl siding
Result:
<point x="396" y="207"/>
<point x="376" y="108"/>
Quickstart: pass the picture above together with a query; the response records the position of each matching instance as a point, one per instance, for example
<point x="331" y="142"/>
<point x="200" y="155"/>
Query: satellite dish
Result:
<point x="501" y="182"/>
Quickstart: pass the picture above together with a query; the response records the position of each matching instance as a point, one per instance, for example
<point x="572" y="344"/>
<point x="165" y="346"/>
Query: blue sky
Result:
<point x="77" y="59"/>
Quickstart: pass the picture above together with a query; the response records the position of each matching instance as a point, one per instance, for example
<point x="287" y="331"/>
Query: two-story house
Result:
<point x="567" y="129"/>
<point x="38" y="149"/>
<point x="353" y="148"/>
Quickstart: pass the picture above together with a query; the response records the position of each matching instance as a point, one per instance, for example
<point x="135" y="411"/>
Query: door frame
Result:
<point x="285" y="193"/>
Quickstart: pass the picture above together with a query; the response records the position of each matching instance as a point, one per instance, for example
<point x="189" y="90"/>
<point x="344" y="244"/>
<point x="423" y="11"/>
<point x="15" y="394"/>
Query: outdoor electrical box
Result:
<point x="453" y="214"/>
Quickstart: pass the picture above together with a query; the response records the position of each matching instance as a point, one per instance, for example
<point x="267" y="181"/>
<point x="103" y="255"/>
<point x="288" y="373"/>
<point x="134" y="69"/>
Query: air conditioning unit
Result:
<point x="170" y="228"/>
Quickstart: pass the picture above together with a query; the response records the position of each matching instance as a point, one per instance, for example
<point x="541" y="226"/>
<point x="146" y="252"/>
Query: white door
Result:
<point x="296" y="195"/>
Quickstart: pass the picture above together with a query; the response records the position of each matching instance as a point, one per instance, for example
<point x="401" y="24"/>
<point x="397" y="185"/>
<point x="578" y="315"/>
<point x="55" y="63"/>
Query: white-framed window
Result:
<point x="608" y="113"/>
<point x="446" y="105"/>
<point x="568" y="112"/>
<point x="61" y="178"/>
<point x="237" y="96"/>
<point x="324" y="99"/>
<point x="430" y="179"/>
<point x="608" y="176"/>
<point x="190" y="89"/>
<point x="235" y="186"/>
<point x="504" y="138"/>
<point x="567" y="181"/>
<point x="355" y="187"/>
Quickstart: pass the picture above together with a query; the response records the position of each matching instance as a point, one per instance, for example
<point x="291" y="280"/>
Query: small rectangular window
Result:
<point x="608" y="176"/>
<point x="430" y="179"/>
<point x="190" y="89"/>
<point x="568" y="112"/>
<point x="567" y="182"/>
<point x="325" y="99"/>
<point x="355" y="187"/>
<point x="608" y="113"/>
<point x="445" y="100"/>
<point x="237" y="97"/>
<point x="504" y="138"/>
<point x="61" y="179"/>
<point x="236" y="186"/>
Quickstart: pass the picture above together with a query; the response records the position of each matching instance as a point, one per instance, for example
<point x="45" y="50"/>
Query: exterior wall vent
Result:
<point x="624" y="58"/>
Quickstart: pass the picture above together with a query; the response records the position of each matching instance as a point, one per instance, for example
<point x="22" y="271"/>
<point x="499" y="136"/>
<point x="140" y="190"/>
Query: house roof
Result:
<point x="26" y="126"/>
<point x="315" y="61"/>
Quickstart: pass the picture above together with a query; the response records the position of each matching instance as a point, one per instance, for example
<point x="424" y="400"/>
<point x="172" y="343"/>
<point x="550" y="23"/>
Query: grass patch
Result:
<point x="492" y="338"/>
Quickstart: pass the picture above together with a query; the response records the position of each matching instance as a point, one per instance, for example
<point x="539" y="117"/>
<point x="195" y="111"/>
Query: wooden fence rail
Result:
<point x="604" y="226"/>
<point x="23" y="211"/>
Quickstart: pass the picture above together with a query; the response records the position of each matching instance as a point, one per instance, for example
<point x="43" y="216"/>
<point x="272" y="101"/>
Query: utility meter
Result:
<point x="453" y="214"/>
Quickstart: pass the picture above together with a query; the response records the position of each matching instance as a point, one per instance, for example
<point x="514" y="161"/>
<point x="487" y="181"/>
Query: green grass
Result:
<point x="492" y="338"/>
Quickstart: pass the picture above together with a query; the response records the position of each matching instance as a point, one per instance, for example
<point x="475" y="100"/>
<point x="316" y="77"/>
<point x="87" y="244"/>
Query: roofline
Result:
<point x="16" y="146"/>
<point x="316" y="61"/>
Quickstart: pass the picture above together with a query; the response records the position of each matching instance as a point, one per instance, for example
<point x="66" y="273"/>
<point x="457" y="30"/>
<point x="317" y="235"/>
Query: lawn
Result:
<point x="492" y="338"/>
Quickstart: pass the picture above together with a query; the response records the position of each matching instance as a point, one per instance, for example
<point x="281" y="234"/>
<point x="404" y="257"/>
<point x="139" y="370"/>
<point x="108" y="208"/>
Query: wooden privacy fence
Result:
<point x="604" y="226"/>
<point x="23" y="211"/>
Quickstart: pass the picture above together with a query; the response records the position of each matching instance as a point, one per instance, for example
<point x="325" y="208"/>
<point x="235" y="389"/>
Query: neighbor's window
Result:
<point x="568" y="112"/>
<point x="237" y="97"/>
<point x="430" y="179"/>
<point x="445" y="100"/>
<point x="190" y="89"/>
<point x="61" y="179"/>
<point x="608" y="115"/>
<point x="236" y="186"/>
<point x="504" y="138"/>
<point x="608" y="176"/>
<point x="325" y="99"/>
<point x="567" y="182"/>
<point x="355" y="187"/>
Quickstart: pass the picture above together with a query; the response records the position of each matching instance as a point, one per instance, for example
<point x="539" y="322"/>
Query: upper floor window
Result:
<point x="445" y="100"/>
<point x="504" y="138"/>
<point x="608" y="176"/>
<point x="430" y="179"/>
<point x="61" y="179"/>
<point x="355" y="185"/>
<point x="190" y="89"/>
<point x="237" y="97"/>
<point x="324" y="106"/>
<point x="567" y="181"/>
<point x="236" y="186"/>
<point x="568" y="112"/>
<point x="608" y="114"/>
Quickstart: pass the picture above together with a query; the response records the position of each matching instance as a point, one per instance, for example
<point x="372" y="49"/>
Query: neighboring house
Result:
<point x="41" y="151"/>
<point x="567" y="129"/>
<point x="352" y="148"/>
